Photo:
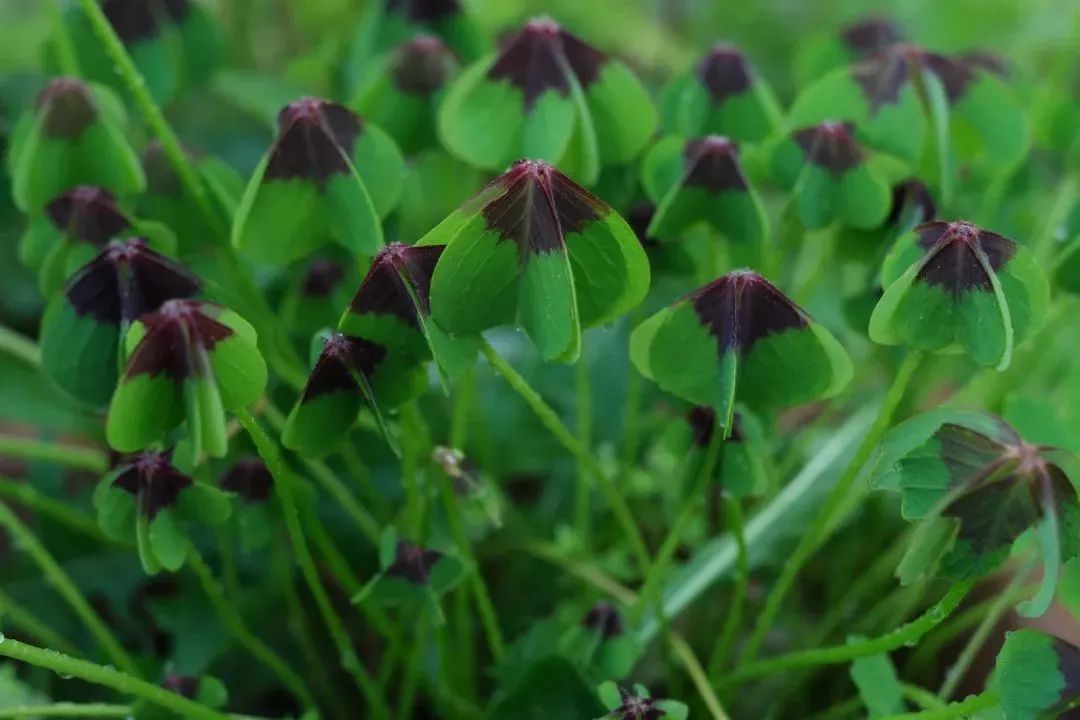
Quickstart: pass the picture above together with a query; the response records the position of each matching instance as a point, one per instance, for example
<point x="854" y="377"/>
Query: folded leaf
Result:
<point x="550" y="96"/>
<point x="188" y="361"/>
<point x="952" y="285"/>
<point x="535" y="249"/>
<point x="404" y="95"/>
<point x="74" y="136"/>
<point x="702" y="181"/>
<point x="1034" y="674"/>
<point x="83" y="328"/>
<point x="739" y="339"/>
<point x="722" y="95"/>
<point x="858" y="41"/>
<point x="328" y="175"/>
<point x="831" y="177"/>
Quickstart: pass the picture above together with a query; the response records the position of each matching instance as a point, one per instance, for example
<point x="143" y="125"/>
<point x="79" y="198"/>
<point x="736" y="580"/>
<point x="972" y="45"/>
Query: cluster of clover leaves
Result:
<point x="156" y="318"/>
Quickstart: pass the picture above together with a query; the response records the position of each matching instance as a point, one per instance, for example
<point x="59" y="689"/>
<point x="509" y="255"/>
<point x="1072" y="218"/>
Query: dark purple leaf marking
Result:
<point x="184" y="685"/>
<point x="322" y="278"/>
<point x="425" y="11"/>
<point x="881" y="77"/>
<point x="831" y="146"/>
<point x="88" y="214"/>
<point x="137" y="20"/>
<point x="742" y="307"/>
<point x="871" y="35"/>
<point x="639" y="217"/>
<point x="250" y="479"/>
<point x="412" y="562"/>
<point x="315" y="141"/>
<point x="152" y="479"/>
<point x="539" y="206"/>
<point x="539" y="57"/>
<point x="126" y="280"/>
<point x="342" y="356"/>
<point x="954" y="249"/>
<point x="713" y="163"/>
<point x="397" y="270"/>
<point x="955" y="74"/>
<point x="603" y="618"/>
<point x="67" y="108"/>
<point x="1068" y="656"/>
<point x="911" y="195"/>
<point x="635" y="707"/>
<point x="702" y="420"/>
<point x="179" y="335"/>
<point x="161" y="179"/>
<point x="422" y="65"/>
<point x="724" y="72"/>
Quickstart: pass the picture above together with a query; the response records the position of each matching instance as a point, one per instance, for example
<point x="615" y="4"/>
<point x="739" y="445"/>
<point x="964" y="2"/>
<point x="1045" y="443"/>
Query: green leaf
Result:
<point x="953" y="286"/>
<point x="328" y="175"/>
<point x="1033" y="674"/>
<point x="739" y="339"/>
<point x="552" y="688"/>
<point x="535" y="249"/>
<point x="878" y="685"/>
<point x="74" y="136"/>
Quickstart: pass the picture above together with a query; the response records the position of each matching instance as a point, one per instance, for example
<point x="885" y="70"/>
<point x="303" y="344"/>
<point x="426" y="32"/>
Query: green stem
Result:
<point x="31" y="624"/>
<point x="65" y="49"/>
<point x="412" y="451"/>
<point x="66" y="709"/>
<point x="411" y="677"/>
<point x="555" y="426"/>
<point x="698" y="676"/>
<point x="488" y="616"/>
<point x="907" y="634"/>
<point x="583" y="425"/>
<point x="235" y="623"/>
<point x="923" y="698"/>
<point x="19" y="347"/>
<point x="964" y="709"/>
<point x="155" y="119"/>
<point x="67" y="666"/>
<point x="55" y="510"/>
<point x="283" y="484"/>
<point x="833" y="502"/>
<point x="733" y="620"/>
<point x="361" y="475"/>
<point x="975" y="642"/>
<point x="72" y="456"/>
<point x="331" y="483"/>
<point x="651" y="587"/>
<point x="682" y="650"/>
<point x="66" y="588"/>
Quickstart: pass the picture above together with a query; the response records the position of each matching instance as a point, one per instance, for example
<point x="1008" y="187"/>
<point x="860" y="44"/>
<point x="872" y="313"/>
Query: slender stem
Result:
<point x="907" y="634"/>
<point x="361" y="475"/>
<point x="19" y="346"/>
<point x="65" y="49"/>
<point x="597" y="578"/>
<point x="331" y="483"/>
<point x="650" y="589"/>
<point x="236" y="625"/>
<point x="159" y="126"/>
<point x="72" y="456"/>
<point x="412" y="450"/>
<point x="66" y="588"/>
<point x="733" y="621"/>
<point x="846" y="709"/>
<point x="67" y="666"/>
<point x="31" y="624"/>
<point x="411" y="676"/>
<point x="698" y="676"/>
<point x="66" y="709"/>
<point x="551" y="421"/>
<point x="958" y="670"/>
<point x="488" y="617"/>
<point x="833" y="502"/>
<point x="55" y="510"/>
<point x="963" y="709"/>
<point x="923" y="698"/>
<point x="283" y="484"/>
<point x="583" y="425"/>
